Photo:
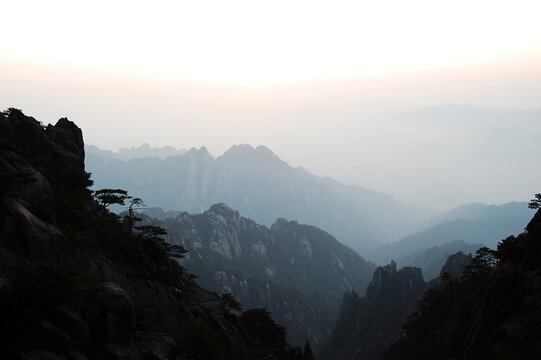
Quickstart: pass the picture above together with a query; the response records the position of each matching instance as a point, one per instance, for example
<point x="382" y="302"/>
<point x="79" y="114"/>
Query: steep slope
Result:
<point x="368" y="325"/>
<point x="260" y="186"/>
<point x="298" y="272"/>
<point x="453" y="269"/>
<point x="76" y="284"/>
<point x="473" y="224"/>
<point x="494" y="312"/>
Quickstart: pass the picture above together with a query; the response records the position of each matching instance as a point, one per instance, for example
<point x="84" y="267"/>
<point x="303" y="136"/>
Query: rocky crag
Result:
<point x="368" y="325"/>
<point x="298" y="272"/>
<point x="76" y="284"/>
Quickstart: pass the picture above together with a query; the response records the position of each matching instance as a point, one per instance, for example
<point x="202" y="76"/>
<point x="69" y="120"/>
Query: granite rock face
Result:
<point x="455" y="265"/>
<point x="298" y="272"/>
<point x="75" y="283"/>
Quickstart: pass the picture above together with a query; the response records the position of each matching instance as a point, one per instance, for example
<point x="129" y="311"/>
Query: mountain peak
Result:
<point x="455" y="265"/>
<point x="262" y="149"/>
<point x="223" y="209"/>
<point x="247" y="152"/>
<point x="239" y="149"/>
<point x="136" y="152"/>
<point x="202" y="152"/>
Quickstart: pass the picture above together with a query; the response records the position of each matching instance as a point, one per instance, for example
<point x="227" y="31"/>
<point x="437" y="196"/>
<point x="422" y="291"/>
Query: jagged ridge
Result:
<point x="298" y="272"/>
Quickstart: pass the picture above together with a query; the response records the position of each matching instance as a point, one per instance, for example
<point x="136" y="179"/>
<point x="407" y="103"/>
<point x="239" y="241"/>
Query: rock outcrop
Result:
<point x="75" y="283"/>
<point x="455" y="265"/>
<point x="297" y="272"/>
<point x="367" y="325"/>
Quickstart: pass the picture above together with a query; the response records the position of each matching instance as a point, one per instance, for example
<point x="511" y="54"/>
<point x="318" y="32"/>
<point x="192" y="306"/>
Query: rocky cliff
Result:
<point x="367" y="325"/>
<point x="455" y="265"/>
<point x="76" y="284"/>
<point x="298" y="272"/>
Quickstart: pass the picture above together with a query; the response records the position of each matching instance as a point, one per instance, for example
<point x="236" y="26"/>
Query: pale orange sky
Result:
<point x="260" y="43"/>
<point x="324" y="84"/>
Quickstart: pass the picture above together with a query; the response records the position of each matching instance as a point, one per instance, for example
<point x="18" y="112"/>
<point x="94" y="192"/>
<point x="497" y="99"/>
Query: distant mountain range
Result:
<point x="142" y="151"/>
<point x="477" y="224"/>
<point x="260" y="186"/>
<point x="298" y="272"/>
<point x="431" y="260"/>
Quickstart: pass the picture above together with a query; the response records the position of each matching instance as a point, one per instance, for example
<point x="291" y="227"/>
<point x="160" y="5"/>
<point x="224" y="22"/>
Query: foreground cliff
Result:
<point x="75" y="283"/>
<point x="493" y="312"/>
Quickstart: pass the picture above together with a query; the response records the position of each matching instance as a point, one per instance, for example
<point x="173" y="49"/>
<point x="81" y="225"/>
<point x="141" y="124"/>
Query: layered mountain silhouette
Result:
<point x="80" y="282"/>
<point x="261" y="187"/>
<point x="298" y="272"/>
<point x="473" y="224"/>
<point x="493" y="312"/>
<point x="431" y="260"/>
<point x="142" y="151"/>
<point x="479" y="307"/>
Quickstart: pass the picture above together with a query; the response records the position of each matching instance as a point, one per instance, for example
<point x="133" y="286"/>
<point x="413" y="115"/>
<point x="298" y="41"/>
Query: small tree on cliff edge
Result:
<point x="107" y="197"/>
<point x="535" y="203"/>
<point x="152" y="232"/>
<point x="132" y="218"/>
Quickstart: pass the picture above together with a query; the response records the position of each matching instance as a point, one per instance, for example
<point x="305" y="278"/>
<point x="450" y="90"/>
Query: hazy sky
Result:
<point x="332" y="86"/>
<point x="268" y="42"/>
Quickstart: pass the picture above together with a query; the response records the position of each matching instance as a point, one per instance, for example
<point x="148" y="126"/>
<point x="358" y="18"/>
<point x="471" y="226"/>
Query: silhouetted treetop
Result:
<point x="535" y="203"/>
<point x="106" y="197"/>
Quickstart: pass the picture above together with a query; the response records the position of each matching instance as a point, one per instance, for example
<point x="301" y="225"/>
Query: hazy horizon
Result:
<point x="424" y="209"/>
<point x="434" y="105"/>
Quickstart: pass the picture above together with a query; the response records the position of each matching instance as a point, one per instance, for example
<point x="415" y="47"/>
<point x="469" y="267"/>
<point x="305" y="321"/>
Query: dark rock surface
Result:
<point x="492" y="312"/>
<point x="75" y="284"/>
<point x="367" y="325"/>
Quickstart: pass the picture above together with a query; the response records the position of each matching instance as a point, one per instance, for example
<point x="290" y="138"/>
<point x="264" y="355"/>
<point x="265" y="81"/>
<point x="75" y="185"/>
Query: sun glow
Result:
<point x="265" y="43"/>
